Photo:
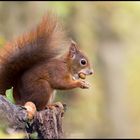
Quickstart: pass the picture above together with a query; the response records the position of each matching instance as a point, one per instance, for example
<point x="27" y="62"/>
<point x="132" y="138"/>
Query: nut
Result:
<point x="82" y="75"/>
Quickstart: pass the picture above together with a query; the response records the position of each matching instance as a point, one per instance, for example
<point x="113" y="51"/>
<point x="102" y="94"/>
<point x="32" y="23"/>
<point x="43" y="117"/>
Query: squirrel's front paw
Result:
<point x="84" y="84"/>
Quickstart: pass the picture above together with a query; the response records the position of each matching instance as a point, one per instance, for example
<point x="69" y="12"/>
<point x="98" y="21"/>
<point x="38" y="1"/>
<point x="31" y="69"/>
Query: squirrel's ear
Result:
<point x="72" y="49"/>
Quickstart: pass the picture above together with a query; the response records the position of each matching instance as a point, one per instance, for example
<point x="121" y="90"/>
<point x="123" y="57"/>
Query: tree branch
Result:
<point x="47" y="123"/>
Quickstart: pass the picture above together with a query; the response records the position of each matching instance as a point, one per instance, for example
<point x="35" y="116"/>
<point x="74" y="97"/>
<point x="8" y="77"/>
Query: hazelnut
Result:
<point x="82" y="75"/>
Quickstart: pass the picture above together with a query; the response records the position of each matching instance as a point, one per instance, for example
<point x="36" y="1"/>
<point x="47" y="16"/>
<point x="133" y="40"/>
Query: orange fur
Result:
<point x="34" y="65"/>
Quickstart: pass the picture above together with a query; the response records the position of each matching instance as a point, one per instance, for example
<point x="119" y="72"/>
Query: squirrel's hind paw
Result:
<point x="31" y="109"/>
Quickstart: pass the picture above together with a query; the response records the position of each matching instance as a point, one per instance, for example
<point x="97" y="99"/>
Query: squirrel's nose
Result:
<point x="91" y="72"/>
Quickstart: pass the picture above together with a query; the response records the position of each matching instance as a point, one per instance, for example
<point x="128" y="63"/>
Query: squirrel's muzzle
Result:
<point x="87" y="71"/>
<point x="82" y="74"/>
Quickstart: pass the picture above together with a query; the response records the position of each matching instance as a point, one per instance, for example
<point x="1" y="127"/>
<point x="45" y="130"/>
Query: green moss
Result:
<point x="9" y="95"/>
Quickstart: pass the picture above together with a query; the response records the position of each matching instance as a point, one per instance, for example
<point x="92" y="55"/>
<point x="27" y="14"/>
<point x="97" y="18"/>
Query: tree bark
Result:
<point x="47" y="123"/>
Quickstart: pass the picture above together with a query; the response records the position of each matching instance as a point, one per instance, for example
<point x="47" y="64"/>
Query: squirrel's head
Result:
<point x="79" y="63"/>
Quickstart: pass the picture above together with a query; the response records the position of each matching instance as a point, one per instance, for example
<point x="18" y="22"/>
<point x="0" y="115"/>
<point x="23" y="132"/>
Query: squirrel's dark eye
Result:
<point x="83" y="62"/>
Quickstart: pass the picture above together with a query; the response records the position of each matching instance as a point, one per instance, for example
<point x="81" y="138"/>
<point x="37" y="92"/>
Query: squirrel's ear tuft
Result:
<point x="72" y="49"/>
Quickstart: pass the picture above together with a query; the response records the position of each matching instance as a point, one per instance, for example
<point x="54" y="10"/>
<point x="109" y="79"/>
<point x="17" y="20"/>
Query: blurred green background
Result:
<point x="109" y="33"/>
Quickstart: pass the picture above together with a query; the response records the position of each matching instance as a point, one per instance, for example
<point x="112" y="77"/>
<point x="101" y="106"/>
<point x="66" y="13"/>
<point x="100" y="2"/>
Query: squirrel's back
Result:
<point x="43" y="43"/>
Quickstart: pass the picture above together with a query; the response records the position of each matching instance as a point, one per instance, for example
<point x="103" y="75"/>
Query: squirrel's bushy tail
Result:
<point x="42" y="43"/>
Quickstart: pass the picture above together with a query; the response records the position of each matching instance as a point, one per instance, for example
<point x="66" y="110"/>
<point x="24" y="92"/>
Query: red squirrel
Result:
<point x="35" y="66"/>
